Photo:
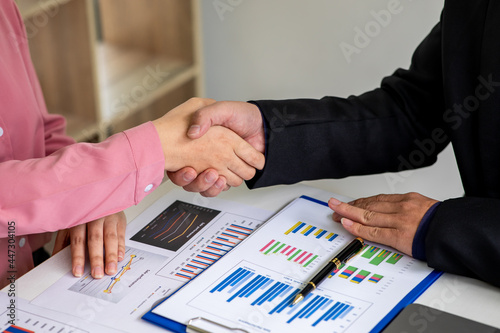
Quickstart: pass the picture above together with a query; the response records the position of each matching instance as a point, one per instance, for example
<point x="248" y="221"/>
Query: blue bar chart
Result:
<point x="273" y="292"/>
<point x="213" y="250"/>
<point x="302" y="228"/>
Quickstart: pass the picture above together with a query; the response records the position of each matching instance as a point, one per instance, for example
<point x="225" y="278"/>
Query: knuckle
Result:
<point x="78" y="240"/>
<point x="249" y="174"/>
<point x="110" y="234"/>
<point x="373" y="233"/>
<point x="95" y="236"/>
<point x="95" y="258"/>
<point x="368" y="216"/>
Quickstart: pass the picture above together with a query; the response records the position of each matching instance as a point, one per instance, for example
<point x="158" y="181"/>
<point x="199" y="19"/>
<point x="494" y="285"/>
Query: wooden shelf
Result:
<point x="131" y="79"/>
<point x="104" y="64"/>
<point x="31" y="8"/>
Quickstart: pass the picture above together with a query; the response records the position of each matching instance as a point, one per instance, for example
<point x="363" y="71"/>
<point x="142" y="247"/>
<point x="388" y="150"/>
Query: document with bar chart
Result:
<point x="169" y="244"/>
<point x="252" y="287"/>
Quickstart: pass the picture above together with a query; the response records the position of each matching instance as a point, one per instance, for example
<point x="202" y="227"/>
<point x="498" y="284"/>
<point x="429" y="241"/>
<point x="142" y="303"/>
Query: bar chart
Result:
<point x="302" y="228"/>
<point x="218" y="238"/>
<point x="289" y="252"/>
<point x="229" y="237"/>
<point x="376" y="255"/>
<point x="273" y="292"/>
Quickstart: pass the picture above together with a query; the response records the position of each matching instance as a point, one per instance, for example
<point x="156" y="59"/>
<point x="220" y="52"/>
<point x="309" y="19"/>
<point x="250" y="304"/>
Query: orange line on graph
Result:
<point x="184" y="230"/>
<point x="171" y="225"/>
<point x="117" y="279"/>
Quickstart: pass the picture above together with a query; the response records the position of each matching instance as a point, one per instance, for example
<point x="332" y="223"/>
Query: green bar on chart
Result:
<point x="380" y="257"/>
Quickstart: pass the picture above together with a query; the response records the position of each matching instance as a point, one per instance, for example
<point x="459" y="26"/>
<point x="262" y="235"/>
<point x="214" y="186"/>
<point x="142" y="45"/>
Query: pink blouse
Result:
<point x="48" y="182"/>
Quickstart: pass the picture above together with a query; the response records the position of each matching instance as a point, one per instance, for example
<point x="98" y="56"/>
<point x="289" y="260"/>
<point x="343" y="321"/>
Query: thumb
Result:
<point x="206" y="117"/>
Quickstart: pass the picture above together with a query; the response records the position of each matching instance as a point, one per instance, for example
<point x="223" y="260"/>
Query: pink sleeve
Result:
<point x="80" y="182"/>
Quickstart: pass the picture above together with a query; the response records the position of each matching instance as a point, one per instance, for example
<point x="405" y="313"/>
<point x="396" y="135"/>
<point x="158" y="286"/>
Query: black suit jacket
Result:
<point x="450" y="93"/>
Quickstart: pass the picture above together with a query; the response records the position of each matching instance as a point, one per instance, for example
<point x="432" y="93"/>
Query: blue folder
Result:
<point x="177" y="327"/>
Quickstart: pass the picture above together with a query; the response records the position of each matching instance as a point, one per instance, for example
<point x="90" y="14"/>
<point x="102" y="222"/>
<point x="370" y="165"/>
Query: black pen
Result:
<point x="341" y="258"/>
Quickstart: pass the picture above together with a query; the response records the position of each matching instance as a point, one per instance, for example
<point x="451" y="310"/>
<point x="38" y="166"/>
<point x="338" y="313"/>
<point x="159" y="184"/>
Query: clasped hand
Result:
<point x="219" y="150"/>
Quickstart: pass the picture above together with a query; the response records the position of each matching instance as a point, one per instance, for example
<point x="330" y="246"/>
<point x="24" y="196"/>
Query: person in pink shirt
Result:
<point x="49" y="182"/>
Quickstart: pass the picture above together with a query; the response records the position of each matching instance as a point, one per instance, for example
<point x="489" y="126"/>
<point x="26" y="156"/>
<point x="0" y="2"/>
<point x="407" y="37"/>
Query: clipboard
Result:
<point x="201" y="324"/>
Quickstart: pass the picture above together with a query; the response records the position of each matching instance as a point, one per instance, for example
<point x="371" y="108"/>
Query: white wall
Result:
<point x="257" y="49"/>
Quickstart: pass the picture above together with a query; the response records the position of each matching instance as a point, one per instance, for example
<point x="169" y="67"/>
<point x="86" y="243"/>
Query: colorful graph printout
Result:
<point x="380" y="257"/>
<point x="375" y="278"/>
<point x="175" y="226"/>
<point x="394" y="258"/>
<point x="291" y="253"/>
<point x="214" y="250"/>
<point x="310" y="230"/>
<point x="346" y="273"/>
<point x="132" y="270"/>
<point x="358" y="278"/>
<point x="261" y="290"/>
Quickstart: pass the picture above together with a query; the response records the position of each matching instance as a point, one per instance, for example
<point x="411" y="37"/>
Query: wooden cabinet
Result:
<point x="108" y="65"/>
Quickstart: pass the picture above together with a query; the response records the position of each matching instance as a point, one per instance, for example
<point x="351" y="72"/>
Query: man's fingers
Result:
<point x="78" y="235"/>
<point x="251" y="156"/>
<point x="95" y="245"/>
<point x="182" y="177"/>
<point x="203" y="182"/>
<point x="216" y="189"/>
<point x="364" y="216"/>
<point x="386" y="236"/>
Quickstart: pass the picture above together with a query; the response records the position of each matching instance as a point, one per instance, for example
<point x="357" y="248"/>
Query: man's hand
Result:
<point x="106" y="233"/>
<point x="219" y="148"/>
<point x="242" y="118"/>
<point x="390" y="219"/>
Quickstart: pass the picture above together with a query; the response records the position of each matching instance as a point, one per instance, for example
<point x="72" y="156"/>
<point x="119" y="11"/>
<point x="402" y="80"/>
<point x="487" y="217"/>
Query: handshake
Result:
<point x="210" y="146"/>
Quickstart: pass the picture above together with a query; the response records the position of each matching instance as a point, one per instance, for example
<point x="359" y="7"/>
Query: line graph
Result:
<point x="124" y="269"/>
<point x="137" y="266"/>
<point x="175" y="226"/>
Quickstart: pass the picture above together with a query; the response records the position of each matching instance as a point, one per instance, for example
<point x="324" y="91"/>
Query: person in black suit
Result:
<point x="450" y="94"/>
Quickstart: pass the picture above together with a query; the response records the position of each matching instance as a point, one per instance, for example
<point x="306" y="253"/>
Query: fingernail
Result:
<point x="334" y="202"/>
<point x="194" y="130"/>
<point x="121" y="255"/>
<point x="97" y="272"/>
<point x="219" y="183"/>
<point x="111" y="268"/>
<point x="346" y="222"/>
<point x="188" y="176"/>
<point x="78" y="271"/>
<point x="210" y="177"/>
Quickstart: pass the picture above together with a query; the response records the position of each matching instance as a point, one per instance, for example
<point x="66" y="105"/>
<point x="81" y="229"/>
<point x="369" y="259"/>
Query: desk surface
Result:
<point x="458" y="295"/>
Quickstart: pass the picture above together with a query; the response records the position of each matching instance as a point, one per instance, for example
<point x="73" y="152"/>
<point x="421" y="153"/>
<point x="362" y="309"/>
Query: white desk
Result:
<point x="455" y="294"/>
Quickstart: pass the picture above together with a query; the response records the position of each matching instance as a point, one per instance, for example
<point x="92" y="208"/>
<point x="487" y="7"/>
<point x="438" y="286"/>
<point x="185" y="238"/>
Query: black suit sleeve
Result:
<point x="372" y="133"/>
<point x="392" y="128"/>
<point x="463" y="238"/>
